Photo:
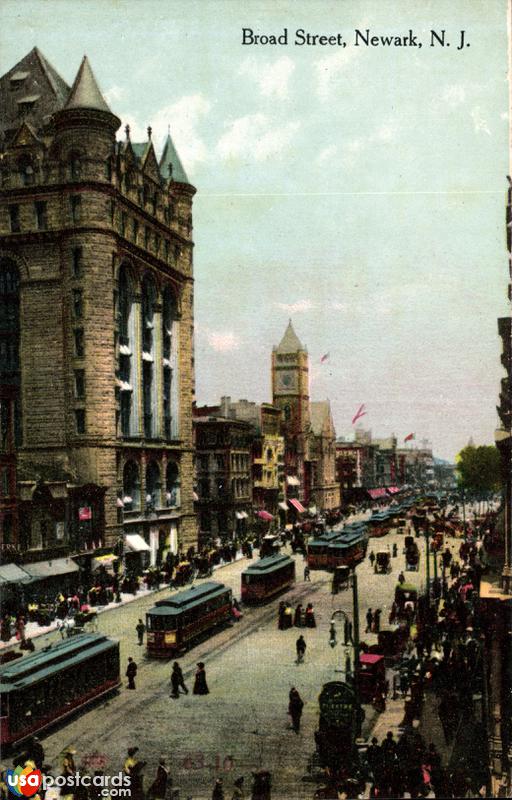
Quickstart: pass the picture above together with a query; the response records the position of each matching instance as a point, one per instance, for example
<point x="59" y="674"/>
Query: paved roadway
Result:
<point x="250" y="670"/>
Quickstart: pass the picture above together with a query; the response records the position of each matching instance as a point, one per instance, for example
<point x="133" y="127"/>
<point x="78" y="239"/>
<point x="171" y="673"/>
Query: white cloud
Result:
<point x="329" y="68"/>
<point x="454" y="95"/>
<point x="223" y="341"/>
<point x="253" y="137"/>
<point x="114" y="94"/>
<point x="298" y="306"/>
<point x="327" y="154"/>
<point x="272" y="78"/>
<point x="479" y="121"/>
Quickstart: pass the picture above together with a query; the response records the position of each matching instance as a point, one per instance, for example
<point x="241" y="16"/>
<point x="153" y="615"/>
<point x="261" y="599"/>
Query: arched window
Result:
<point x="172" y="485"/>
<point x="287" y="413"/>
<point x="75" y="166"/>
<point x="153" y="485"/>
<point x="127" y="375"/>
<point x="10" y="372"/>
<point x="148" y="358"/>
<point x="131" y="486"/>
<point x="170" y="363"/>
<point x="26" y="169"/>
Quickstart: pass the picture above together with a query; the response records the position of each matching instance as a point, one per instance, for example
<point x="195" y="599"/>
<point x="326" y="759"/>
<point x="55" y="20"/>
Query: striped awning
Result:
<point x="262" y="514"/>
<point x="297" y="505"/>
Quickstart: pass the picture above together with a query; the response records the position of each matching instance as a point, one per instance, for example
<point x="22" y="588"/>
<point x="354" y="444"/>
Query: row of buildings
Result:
<point x="102" y="446"/>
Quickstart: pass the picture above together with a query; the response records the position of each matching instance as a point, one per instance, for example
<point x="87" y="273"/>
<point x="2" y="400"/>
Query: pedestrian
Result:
<point x="238" y="792"/>
<point x="218" y="790"/>
<point x="376" y="620"/>
<point x="373" y="757"/>
<point x="369" y="620"/>
<point x="310" y="616"/>
<point x="300" y="646"/>
<point x="200" y="685"/>
<point x="307" y="573"/>
<point x="280" y="615"/>
<point x="177" y="680"/>
<point x="371" y="557"/>
<point x="133" y="768"/>
<point x="295" y="707"/>
<point x="158" y="789"/>
<point x="401" y="577"/>
<point x="297" y="619"/>
<point x="395" y="550"/>
<point x="37" y="752"/>
<point x="131" y="671"/>
<point x="140" y="628"/>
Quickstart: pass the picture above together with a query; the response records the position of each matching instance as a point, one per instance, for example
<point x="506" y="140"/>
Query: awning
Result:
<point x="393" y="489"/>
<point x="104" y="561"/>
<point x="292" y="480"/>
<point x="262" y="514"/>
<point x="376" y="493"/>
<point x="244" y="514"/>
<point x="11" y="573"/>
<point x="119" y="503"/>
<point x="195" y="496"/>
<point x="312" y="510"/>
<point x="283" y="506"/>
<point x="136" y="543"/>
<point x="297" y="505"/>
<point x="50" y="569"/>
<point x="239" y="514"/>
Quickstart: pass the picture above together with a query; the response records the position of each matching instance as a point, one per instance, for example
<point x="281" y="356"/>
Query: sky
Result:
<point x="359" y="191"/>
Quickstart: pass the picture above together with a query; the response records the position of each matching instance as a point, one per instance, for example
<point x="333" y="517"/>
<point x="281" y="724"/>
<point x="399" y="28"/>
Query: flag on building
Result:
<point x="409" y="437"/>
<point x="359" y="413"/>
<point x="325" y="358"/>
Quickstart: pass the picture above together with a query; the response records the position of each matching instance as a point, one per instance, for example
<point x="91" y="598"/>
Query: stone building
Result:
<point x="223" y="476"/>
<point x="309" y="434"/>
<point x="96" y="337"/>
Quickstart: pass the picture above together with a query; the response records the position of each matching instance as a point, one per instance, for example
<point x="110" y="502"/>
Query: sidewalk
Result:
<point x="33" y="630"/>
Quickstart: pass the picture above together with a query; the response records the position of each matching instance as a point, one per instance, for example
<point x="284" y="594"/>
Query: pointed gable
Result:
<point x="25" y="136"/>
<point x="171" y="159"/>
<point x="150" y="164"/>
<point x="85" y="92"/>
<point x="290" y="343"/>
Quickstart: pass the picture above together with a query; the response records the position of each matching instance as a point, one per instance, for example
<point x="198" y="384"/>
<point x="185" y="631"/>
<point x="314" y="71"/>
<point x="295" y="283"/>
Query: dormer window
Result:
<point x="26" y="104"/>
<point x="17" y="80"/>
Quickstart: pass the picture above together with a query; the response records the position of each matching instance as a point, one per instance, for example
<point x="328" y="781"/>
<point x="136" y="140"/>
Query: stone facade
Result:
<point x="96" y="237"/>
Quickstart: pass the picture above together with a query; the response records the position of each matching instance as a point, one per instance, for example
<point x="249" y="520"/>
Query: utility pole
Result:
<point x="357" y="664"/>
<point x="427" y="556"/>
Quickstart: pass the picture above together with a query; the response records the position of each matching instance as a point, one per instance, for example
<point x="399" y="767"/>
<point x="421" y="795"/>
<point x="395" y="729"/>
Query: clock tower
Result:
<point x="290" y="383"/>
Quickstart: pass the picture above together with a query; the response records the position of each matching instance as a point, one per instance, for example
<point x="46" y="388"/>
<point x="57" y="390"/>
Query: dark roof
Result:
<point x="269" y="564"/>
<point x="178" y="602"/>
<point x="170" y="156"/>
<point x="85" y="92"/>
<point x="71" y="652"/>
<point x="33" y="76"/>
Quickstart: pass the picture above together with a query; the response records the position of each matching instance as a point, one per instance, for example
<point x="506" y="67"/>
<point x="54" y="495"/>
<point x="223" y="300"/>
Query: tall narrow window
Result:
<point x="10" y="372"/>
<point x="14" y="218"/>
<point x="80" y="420"/>
<point x="127" y="376"/>
<point x="77" y="303"/>
<point x="76" y="208"/>
<point x="75" y="167"/>
<point x="170" y="364"/>
<point x="131" y="486"/>
<point x="147" y="237"/>
<point x="172" y="485"/>
<point x="26" y="171"/>
<point x="124" y="222"/>
<point x="79" y="384"/>
<point x="77" y="262"/>
<point x="41" y="215"/>
<point x="153" y="486"/>
<point x="135" y="230"/>
<point x="148" y="358"/>
<point x="79" y="342"/>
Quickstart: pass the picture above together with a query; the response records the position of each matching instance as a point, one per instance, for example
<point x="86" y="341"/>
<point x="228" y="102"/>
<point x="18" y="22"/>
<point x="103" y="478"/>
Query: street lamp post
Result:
<point x="427" y="556"/>
<point x="464" y="528"/>
<point x="351" y="634"/>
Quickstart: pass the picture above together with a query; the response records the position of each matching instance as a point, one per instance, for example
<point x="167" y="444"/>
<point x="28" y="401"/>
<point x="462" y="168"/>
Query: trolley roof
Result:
<point x="190" y="598"/>
<point x="268" y="564"/>
<point x="70" y="653"/>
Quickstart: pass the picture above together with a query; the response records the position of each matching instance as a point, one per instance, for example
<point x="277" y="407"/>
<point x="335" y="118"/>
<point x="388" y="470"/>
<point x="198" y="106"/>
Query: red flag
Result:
<point x="408" y="438"/>
<point x="359" y="413"/>
<point x="325" y="358"/>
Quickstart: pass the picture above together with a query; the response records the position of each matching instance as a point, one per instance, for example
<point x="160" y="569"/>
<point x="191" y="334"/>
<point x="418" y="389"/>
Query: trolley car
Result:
<point x="267" y="577"/>
<point x="380" y="523"/>
<point x="347" y="548"/>
<point x="172" y="624"/>
<point x="41" y="689"/>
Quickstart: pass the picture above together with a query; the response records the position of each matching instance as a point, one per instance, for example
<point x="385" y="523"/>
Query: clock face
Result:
<point x="286" y="381"/>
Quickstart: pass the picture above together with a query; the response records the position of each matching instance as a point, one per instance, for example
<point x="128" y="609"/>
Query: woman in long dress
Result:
<point x="200" y="685"/>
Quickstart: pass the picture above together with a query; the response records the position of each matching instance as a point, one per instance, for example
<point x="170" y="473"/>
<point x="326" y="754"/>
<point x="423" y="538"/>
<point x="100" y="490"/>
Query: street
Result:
<point x="242" y="725"/>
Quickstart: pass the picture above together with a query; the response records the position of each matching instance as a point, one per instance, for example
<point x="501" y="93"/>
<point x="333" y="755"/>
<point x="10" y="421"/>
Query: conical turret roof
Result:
<point x="85" y="92"/>
<point x="170" y="156"/>
<point x="290" y="343"/>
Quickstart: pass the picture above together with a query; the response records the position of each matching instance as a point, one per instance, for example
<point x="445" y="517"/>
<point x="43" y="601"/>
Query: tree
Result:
<point x="479" y="469"/>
